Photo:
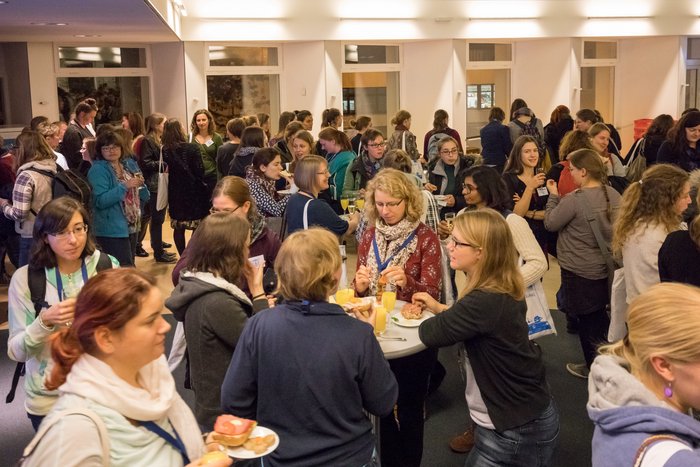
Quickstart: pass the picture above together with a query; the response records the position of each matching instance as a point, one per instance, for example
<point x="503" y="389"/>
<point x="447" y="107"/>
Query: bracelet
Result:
<point x="258" y="296"/>
<point x="44" y="326"/>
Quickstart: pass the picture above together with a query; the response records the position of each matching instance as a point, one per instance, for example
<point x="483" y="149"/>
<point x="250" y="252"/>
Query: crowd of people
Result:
<point x="270" y="215"/>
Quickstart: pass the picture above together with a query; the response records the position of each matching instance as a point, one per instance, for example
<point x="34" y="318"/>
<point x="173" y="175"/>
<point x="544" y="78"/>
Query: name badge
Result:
<point x="209" y="143"/>
<point x="542" y="191"/>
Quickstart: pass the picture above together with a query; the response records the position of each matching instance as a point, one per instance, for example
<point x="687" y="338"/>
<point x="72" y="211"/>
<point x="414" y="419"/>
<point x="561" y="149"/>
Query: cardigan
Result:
<point x="31" y="191"/>
<point x="422" y="268"/>
<point x="507" y="366"/>
<point x="188" y="198"/>
<point x="679" y="259"/>
<point x="108" y="218"/>
<point x="640" y="254"/>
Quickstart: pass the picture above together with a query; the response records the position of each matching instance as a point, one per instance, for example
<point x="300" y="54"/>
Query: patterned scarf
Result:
<point x="389" y="239"/>
<point x="371" y="166"/>
<point x="265" y="183"/>
<point x="257" y="224"/>
<point x="130" y="204"/>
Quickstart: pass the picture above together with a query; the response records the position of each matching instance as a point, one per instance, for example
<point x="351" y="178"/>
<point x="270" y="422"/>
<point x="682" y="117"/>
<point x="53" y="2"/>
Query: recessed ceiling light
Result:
<point x="38" y="23"/>
<point x="87" y="35"/>
<point x="58" y="24"/>
<point x="4" y="2"/>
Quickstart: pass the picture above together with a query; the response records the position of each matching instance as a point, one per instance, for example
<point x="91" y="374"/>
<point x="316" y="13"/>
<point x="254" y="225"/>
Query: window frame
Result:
<point x="146" y="71"/>
<point x="369" y="67"/>
<point x="210" y="69"/>
<point x="479" y="92"/>
<point x="597" y="62"/>
<point x="496" y="64"/>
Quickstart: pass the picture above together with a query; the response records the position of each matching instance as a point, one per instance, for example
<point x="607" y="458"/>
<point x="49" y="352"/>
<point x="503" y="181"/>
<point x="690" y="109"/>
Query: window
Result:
<point x="102" y="57"/>
<point x="490" y="52"/>
<point x="597" y="90"/>
<point x="242" y="80"/>
<point x="599" y="50"/>
<point x="371" y="54"/>
<point x="116" y="77"/>
<point x="226" y="55"/>
<point x="480" y="96"/>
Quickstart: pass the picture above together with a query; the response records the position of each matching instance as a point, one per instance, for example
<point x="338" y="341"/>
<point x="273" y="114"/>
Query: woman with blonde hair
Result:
<point x="305" y="209"/>
<point x="643" y="390"/>
<point x="402" y="138"/>
<point x="584" y="270"/>
<point x="114" y="381"/>
<point x="302" y="145"/>
<point x="275" y="348"/>
<point x="517" y="422"/>
<point x="650" y="209"/>
<point x="397" y="248"/>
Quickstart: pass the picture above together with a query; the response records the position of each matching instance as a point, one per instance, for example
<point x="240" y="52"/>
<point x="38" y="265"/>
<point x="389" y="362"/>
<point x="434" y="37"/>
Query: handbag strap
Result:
<point x="593" y="222"/>
<point x="160" y="161"/>
<point x="48" y="424"/>
<point x="403" y="141"/>
<point x="306" y="214"/>
<point x="671" y="444"/>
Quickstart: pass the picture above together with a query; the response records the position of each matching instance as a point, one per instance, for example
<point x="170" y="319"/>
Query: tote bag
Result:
<point x="162" y="196"/>
<point x="539" y="319"/>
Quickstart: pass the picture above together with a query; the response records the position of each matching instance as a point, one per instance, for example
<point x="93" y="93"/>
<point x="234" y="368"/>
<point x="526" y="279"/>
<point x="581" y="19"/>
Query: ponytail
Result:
<point x="65" y="351"/>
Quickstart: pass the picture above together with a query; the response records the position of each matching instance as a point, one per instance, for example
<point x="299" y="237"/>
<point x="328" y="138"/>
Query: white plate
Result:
<point x="242" y="453"/>
<point x="284" y="192"/>
<point x="409" y="323"/>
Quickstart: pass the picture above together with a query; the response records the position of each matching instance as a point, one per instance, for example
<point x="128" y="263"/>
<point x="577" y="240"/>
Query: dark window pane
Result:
<point x="367" y="54"/>
<point x="224" y="55"/>
<point x="231" y="96"/>
<point x="102" y="57"/>
<point x="114" y="95"/>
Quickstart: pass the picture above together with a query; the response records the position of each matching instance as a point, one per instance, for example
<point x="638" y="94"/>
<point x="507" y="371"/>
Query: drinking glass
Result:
<point x="450" y="218"/>
<point x="344" y="203"/>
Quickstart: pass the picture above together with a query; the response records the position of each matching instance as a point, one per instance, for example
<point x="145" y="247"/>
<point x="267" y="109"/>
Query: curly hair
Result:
<point x="572" y="141"/>
<point x="649" y="202"/>
<point x="395" y="184"/>
<point x="194" y="129"/>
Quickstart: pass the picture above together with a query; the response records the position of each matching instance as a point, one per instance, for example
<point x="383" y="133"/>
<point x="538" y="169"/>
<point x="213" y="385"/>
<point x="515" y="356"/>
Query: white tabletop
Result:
<point x="398" y="349"/>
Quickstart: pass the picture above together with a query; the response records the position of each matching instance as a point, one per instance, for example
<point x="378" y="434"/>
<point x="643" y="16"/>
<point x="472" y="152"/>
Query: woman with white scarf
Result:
<point x="110" y="364"/>
<point x="406" y="253"/>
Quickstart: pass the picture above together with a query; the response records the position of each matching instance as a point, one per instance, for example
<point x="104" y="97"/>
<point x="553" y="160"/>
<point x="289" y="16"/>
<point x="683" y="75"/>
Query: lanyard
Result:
<point x="381" y="265"/>
<point x="175" y="442"/>
<point x="59" y="282"/>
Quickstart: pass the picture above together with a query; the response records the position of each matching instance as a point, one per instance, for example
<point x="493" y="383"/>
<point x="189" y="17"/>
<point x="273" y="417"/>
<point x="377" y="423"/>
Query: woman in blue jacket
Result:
<point x="495" y="140"/>
<point x="118" y="193"/>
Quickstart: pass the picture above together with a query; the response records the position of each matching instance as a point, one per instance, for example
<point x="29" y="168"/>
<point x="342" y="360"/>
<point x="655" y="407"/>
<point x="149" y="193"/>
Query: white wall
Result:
<point x="541" y="75"/>
<point x="648" y="81"/>
<point x="427" y="84"/>
<point x="195" y="78"/>
<point x="302" y="86"/>
<point x="333" y="60"/>
<point x="168" y="93"/>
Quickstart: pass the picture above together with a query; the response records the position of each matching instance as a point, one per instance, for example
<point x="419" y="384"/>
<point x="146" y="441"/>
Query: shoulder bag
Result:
<point x="162" y="196"/>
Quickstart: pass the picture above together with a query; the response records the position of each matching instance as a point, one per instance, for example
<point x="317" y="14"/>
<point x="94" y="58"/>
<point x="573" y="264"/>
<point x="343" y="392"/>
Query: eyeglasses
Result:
<point x="230" y="211"/>
<point x="78" y="231"/>
<point x="110" y="148"/>
<point x="377" y="145"/>
<point x="391" y="204"/>
<point x="456" y="243"/>
<point x="447" y="152"/>
<point x="468" y="188"/>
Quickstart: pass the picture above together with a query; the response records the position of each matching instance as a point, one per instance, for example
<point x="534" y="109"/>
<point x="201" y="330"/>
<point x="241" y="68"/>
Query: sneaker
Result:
<point x="580" y="370"/>
<point x="464" y="442"/>
<point x="141" y="253"/>
<point x="166" y="245"/>
<point x="165" y="258"/>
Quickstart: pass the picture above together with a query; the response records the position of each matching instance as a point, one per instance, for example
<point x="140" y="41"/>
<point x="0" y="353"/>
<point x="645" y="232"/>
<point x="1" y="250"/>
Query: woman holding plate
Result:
<point x="398" y="249"/>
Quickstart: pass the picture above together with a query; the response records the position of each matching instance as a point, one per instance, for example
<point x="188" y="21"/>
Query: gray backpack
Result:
<point x="433" y="145"/>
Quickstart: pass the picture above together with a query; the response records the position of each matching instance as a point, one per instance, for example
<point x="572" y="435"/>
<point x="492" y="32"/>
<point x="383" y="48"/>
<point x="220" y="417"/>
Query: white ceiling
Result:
<point x="112" y="20"/>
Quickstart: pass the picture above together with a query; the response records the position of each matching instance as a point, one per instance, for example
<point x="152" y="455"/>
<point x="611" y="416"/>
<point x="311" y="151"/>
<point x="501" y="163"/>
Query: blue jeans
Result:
<point x="36" y="420"/>
<point x="529" y="445"/>
<point x="25" y="245"/>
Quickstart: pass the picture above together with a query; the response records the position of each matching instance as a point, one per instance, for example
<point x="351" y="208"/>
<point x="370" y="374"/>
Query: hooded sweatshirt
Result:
<point x="626" y="413"/>
<point x="214" y="312"/>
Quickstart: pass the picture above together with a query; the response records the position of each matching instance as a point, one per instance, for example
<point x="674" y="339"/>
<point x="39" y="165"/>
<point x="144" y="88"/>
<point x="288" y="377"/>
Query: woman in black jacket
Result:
<point x="213" y="308"/>
<point x="187" y="190"/>
<point x="517" y="422"/>
<point x="444" y="179"/>
<point x="681" y="148"/>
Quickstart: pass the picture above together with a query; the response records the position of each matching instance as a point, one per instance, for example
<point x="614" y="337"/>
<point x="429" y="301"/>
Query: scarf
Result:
<point x="257" y="225"/>
<point x="221" y="283"/>
<point x="93" y="379"/>
<point x="131" y="203"/>
<point x="371" y="166"/>
<point x="267" y="184"/>
<point x="389" y="239"/>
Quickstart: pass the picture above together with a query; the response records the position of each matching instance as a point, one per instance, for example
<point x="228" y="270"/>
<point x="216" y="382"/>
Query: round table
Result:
<point x="397" y="349"/>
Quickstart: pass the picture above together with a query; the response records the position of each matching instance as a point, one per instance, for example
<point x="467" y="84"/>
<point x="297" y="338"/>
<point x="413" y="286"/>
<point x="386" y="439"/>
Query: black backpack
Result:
<point x="68" y="183"/>
<point x="36" y="280"/>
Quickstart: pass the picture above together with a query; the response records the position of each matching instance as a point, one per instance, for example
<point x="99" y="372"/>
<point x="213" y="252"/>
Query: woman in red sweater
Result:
<point x="405" y="252"/>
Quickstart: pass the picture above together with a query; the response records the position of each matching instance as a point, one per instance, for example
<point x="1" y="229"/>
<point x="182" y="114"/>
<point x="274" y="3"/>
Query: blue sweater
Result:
<point x="108" y="218"/>
<point x="307" y="371"/>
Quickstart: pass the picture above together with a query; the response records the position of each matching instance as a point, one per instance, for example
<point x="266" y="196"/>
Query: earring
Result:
<point x="668" y="391"/>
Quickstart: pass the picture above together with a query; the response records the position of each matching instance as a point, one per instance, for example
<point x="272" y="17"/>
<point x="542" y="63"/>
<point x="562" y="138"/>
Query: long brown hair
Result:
<point x="340" y="138"/>
<point x="590" y="160"/>
<point x="103" y="301"/>
<point x="32" y="147"/>
<point x="238" y="190"/>
<point x="220" y="246"/>
<point x="649" y="202"/>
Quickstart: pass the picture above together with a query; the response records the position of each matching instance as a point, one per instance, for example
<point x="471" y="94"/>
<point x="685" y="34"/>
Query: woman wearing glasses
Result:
<point x="444" y="175"/>
<point x="517" y="422"/>
<point x="368" y="163"/>
<point x="401" y="250"/>
<point x="304" y="209"/>
<point x="65" y="257"/>
<point x="188" y="202"/>
<point x="118" y="192"/>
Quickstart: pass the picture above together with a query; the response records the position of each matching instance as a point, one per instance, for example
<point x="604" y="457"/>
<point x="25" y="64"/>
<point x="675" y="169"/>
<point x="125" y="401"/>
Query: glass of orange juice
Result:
<point x="380" y="323"/>
<point x="360" y="203"/>
<point x="343" y="296"/>
<point x="389" y="297"/>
